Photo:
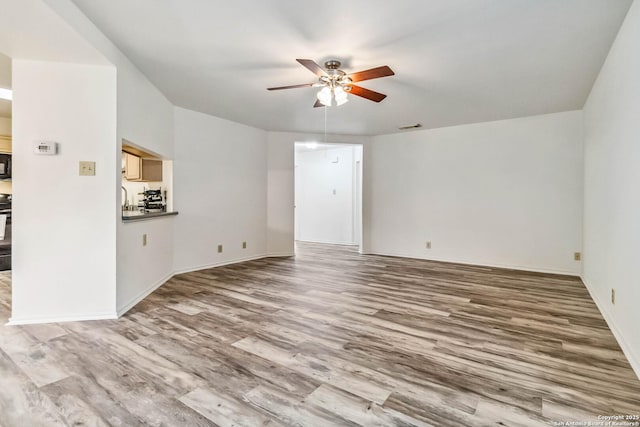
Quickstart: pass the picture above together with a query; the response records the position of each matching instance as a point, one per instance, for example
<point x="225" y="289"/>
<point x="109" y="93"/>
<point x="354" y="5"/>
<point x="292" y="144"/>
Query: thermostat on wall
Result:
<point x="46" y="147"/>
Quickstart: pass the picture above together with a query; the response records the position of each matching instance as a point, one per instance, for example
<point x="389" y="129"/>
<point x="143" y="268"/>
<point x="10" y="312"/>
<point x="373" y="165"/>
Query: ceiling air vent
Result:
<point x="417" y="125"/>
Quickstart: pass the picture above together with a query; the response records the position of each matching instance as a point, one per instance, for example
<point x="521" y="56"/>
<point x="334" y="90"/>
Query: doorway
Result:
<point x="328" y="193"/>
<point x="6" y="189"/>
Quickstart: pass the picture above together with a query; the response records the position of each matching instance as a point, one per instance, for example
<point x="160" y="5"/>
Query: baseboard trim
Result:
<point x="76" y="318"/>
<point x="168" y="277"/>
<point x="327" y="242"/>
<point x="280" y="255"/>
<point x="477" y="264"/>
<point x="142" y="295"/>
<point x="632" y="358"/>
<point x="220" y="264"/>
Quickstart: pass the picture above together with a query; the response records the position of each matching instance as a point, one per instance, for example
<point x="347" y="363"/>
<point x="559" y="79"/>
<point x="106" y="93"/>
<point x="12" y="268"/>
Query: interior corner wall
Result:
<point x="220" y="191"/>
<point x="611" y="195"/>
<point x="64" y="229"/>
<point x="505" y="193"/>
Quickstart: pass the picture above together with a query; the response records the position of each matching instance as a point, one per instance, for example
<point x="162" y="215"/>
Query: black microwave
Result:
<point x="5" y="166"/>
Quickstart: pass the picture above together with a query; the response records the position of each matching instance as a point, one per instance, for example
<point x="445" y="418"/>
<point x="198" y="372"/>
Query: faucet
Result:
<point x="125" y="206"/>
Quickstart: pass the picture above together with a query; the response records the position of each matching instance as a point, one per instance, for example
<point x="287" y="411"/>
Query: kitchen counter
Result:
<point x="130" y="216"/>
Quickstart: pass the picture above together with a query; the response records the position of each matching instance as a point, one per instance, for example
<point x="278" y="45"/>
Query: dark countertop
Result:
<point x="130" y="216"/>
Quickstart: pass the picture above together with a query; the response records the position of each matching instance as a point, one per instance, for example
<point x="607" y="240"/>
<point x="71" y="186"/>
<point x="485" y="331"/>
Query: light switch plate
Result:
<point x="87" y="168"/>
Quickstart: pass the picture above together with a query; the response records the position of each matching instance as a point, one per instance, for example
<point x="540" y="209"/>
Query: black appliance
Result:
<point x="5" y="244"/>
<point x="152" y="201"/>
<point x="5" y="166"/>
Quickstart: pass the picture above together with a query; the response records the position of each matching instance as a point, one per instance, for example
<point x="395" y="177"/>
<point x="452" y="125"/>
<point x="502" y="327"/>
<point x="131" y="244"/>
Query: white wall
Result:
<point x="505" y="193"/>
<point x="280" y="194"/>
<point x="5" y="71"/>
<point x="220" y="190"/>
<point x="612" y="177"/>
<point x="5" y="126"/>
<point x="325" y="195"/>
<point x="145" y="117"/>
<point x="142" y="269"/>
<point x="64" y="245"/>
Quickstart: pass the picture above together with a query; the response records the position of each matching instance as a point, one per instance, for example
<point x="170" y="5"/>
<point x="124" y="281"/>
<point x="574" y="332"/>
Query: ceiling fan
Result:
<point x="335" y="84"/>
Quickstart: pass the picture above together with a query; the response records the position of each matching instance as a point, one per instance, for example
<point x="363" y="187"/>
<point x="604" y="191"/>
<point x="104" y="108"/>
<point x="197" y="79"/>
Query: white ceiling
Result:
<point x="456" y="61"/>
<point x="31" y="29"/>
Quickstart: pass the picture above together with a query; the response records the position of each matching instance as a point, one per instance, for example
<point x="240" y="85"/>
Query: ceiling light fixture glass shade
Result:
<point x="324" y="96"/>
<point x="327" y="94"/>
<point x="340" y="95"/>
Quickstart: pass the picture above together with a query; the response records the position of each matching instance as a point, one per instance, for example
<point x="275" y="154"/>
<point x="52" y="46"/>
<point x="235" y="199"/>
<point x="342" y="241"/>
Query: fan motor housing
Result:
<point x="333" y="68"/>
<point x="332" y="64"/>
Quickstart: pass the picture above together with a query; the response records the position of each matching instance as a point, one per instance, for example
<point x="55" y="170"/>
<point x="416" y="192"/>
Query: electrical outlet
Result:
<point x="144" y="240"/>
<point x="577" y="256"/>
<point x="87" y="168"/>
<point x="244" y="245"/>
<point x="613" y="296"/>
<point x="219" y="249"/>
<point x="428" y="245"/>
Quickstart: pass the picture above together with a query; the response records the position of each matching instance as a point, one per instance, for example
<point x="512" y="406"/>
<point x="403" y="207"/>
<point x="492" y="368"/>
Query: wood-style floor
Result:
<point x="329" y="337"/>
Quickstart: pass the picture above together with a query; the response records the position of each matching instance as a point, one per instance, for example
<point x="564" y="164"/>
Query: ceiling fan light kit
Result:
<point x="340" y="95"/>
<point x="327" y="94"/>
<point x="324" y="96"/>
<point x="335" y="84"/>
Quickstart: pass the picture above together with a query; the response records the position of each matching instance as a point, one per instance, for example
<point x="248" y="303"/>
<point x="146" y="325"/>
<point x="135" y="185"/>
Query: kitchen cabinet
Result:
<point x="132" y="167"/>
<point x="139" y="169"/>
<point x="5" y="144"/>
<point x="151" y="170"/>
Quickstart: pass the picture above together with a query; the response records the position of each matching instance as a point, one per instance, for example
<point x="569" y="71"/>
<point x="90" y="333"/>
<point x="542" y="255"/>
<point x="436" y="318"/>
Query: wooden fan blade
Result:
<point x="313" y="67"/>
<point x="373" y="73"/>
<point x="366" y="93"/>
<point x="318" y="104"/>
<point x="290" y="87"/>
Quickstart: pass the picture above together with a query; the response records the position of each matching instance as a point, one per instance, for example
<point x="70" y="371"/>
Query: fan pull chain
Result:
<point x="325" y="123"/>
